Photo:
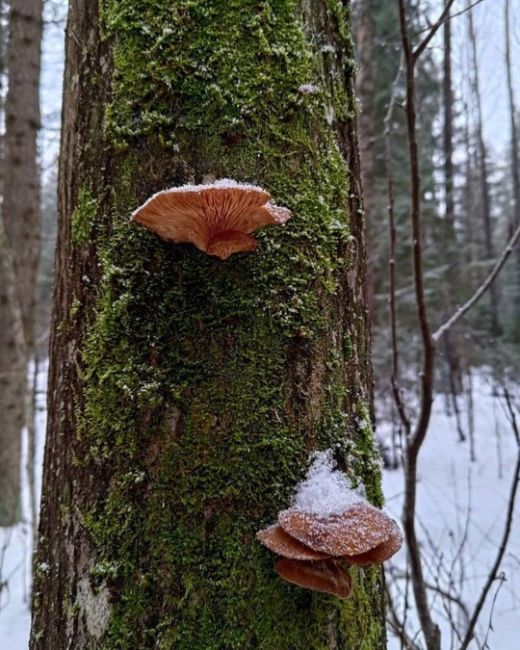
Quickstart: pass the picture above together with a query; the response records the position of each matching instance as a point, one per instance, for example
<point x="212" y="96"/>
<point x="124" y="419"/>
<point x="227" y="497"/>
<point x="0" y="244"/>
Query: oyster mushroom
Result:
<point x="326" y="576"/>
<point x="217" y="218"/>
<point x="381" y="552"/>
<point x="278" y="541"/>
<point x="355" y="530"/>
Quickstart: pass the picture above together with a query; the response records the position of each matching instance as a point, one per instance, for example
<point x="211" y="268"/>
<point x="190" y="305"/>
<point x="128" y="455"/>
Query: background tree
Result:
<point x="19" y="238"/>
<point x="186" y="393"/>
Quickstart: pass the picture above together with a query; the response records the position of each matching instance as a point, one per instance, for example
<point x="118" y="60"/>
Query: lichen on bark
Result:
<point x="199" y="387"/>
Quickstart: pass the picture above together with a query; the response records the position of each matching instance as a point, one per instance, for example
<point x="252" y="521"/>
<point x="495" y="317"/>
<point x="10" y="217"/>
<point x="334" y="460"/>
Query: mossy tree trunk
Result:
<point x="186" y="393"/>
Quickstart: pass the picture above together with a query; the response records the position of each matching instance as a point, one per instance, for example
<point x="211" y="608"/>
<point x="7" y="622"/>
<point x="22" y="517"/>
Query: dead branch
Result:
<point x="394" y="379"/>
<point x="433" y="30"/>
<point x="499" y="264"/>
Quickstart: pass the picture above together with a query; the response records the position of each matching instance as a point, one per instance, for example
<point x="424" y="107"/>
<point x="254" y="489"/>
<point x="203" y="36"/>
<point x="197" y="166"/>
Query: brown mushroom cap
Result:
<point x="381" y="552"/>
<point x="217" y="218"/>
<point x="326" y="576"/>
<point x="356" y="530"/>
<point x="278" y="541"/>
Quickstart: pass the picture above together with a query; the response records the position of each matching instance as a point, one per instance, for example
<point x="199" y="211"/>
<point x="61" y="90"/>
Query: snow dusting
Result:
<point x="325" y="490"/>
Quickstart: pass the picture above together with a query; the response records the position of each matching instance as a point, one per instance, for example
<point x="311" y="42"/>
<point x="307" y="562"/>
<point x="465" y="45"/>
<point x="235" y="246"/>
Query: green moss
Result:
<point x="207" y="383"/>
<point x="83" y="216"/>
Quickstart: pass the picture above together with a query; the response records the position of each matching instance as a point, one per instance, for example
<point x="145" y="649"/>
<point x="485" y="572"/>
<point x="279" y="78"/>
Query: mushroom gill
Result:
<point x="326" y="576"/>
<point x="217" y="218"/>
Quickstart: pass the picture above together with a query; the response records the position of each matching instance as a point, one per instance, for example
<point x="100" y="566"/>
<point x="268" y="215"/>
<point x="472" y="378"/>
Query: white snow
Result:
<point x="461" y="513"/>
<point x="325" y="490"/>
<point x="16" y="547"/>
<point x="461" y="505"/>
<point x="308" y="89"/>
<point x="221" y="184"/>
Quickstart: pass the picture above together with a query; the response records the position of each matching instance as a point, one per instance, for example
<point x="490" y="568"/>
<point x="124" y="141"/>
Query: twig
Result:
<point x="493" y="573"/>
<point x="433" y="30"/>
<point x="396" y="624"/>
<point x="482" y="289"/>
<point x="454" y="15"/>
<point x="394" y="379"/>
<point x="502" y="579"/>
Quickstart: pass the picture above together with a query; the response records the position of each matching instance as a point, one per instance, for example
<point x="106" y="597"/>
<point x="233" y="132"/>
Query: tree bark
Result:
<point x="186" y="393"/>
<point x="21" y="222"/>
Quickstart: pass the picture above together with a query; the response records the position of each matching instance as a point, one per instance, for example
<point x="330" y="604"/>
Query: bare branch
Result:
<point x="450" y="17"/>
<point x="433" y="30"/>
<point x="394" y="379"/>
<point x="493" y="573"/>
<point x="397" y="626"/>
<point x="429" y="628"/>
<point x="482" y="289"/>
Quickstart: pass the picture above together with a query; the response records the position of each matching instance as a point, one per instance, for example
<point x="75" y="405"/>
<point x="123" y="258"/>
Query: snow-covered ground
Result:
<point x="16" y="547"/>
<point x="458" y="500"/>
<point x="461" y="513"/>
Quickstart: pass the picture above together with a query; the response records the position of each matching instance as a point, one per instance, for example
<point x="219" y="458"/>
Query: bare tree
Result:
<point x="489" y="247"/>
<point x="417" y="431"/>
<point x="515" y="162"/>
<point x="365" y="90"/>
<point x="21" y="223"/>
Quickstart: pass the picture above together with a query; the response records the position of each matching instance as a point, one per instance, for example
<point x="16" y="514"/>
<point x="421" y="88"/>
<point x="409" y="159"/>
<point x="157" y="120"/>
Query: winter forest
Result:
<point x="259" y="324"/>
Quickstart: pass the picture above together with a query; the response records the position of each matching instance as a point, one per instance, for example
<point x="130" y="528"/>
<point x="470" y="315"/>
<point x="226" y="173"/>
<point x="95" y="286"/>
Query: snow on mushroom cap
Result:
<point x="328" y="516"/>
<point x="381" y="552"/>
<point x="218" y="217"/>
<point x="325" y="490"/>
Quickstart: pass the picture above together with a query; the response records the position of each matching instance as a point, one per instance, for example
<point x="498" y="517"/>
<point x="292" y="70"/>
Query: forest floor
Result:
<point x="461" y="506"/>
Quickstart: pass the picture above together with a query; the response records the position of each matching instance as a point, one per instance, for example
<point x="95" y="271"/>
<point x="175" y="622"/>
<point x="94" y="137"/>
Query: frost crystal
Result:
<point x="308" y="89"/>
<point x="325" y="490"/>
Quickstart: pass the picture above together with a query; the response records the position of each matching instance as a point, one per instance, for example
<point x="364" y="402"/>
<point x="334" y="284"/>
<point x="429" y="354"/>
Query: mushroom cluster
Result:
<point x="218" y="218"/>
<point x="328" y="528"/>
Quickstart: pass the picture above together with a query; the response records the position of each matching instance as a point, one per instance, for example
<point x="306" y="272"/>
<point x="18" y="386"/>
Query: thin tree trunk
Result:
<point x="21" y="222"/>
<point x="365" y="91"/>
<point x="484" y="182"/>
<point x="515" y="170"/>
<point x="451" y="343"/>
<point x="448" y="126"/>
<point x="186" y="393"/>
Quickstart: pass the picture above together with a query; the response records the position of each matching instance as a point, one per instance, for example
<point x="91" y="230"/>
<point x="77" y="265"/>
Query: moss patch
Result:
<point x="207" y="383"/>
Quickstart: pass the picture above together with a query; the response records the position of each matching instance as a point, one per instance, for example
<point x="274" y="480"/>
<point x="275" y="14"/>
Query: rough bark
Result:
<point x="21" y="221"/>
<point x="186" y="393"/>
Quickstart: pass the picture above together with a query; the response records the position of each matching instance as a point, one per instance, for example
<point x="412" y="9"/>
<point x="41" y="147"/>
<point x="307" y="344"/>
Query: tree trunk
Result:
<point x="186" y="393"/>
<point x="489" y="248"/>
<point x="515" y="174"/>
<point x="447" y="95"/>
<point x="21" y="222"/>
<point x="365" y="90"/>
